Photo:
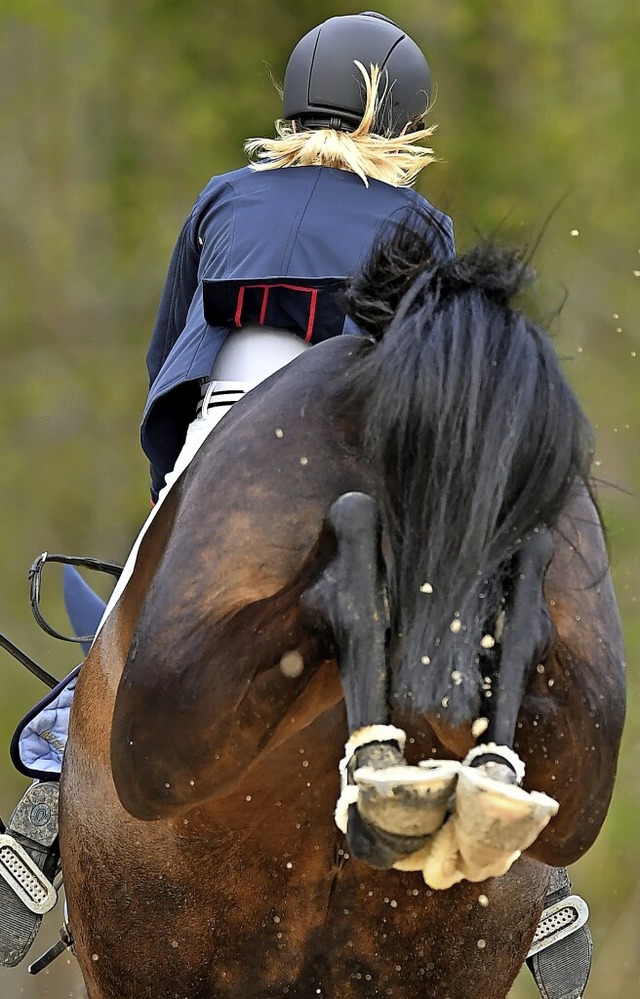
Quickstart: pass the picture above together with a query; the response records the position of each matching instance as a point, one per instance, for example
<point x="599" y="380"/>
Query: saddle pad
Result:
<point x="39" y="741"/>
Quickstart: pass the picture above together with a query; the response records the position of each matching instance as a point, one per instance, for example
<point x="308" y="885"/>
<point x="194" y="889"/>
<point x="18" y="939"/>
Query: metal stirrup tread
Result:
<point x="25" y="877"/>
<point x="560" y="954"/>
<point x="28" y="861"/>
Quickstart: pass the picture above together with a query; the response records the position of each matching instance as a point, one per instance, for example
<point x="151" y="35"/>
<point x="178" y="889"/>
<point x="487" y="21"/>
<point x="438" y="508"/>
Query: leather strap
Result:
<point x="35" y="574"/>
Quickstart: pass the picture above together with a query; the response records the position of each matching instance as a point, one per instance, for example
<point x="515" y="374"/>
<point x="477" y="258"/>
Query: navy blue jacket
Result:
<point x="305" y="224"/>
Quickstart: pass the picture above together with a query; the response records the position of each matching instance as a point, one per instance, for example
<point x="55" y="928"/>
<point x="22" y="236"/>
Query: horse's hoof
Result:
<point x="405" y="800"/>
<point x="494" y="822"/>
<point x="498" y="762"/>
<point x="375" y="846"/>
<point x="438" y="860"/>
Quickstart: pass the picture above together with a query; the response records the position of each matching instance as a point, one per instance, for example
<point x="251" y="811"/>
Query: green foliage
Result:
<point x="114" y="115"/>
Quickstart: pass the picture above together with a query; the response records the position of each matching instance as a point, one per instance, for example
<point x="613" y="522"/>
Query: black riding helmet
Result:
<point x="323" y="88"/>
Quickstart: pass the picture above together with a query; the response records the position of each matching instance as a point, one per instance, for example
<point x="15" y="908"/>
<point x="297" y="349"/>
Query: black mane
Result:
<point x="407" y="260"/>
<point x="478" y="438"/>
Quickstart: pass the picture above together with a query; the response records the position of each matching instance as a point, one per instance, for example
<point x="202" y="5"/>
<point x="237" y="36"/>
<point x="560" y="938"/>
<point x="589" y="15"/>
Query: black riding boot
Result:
<point x="29" y="859"/>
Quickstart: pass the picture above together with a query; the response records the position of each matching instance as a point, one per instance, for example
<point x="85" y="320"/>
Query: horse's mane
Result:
<point x="477" y="435"/>
<point x="407" y="258"/>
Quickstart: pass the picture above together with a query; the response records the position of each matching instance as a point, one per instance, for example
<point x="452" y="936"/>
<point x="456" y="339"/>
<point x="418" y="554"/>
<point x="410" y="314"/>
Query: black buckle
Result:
<point x="64" y="943"/>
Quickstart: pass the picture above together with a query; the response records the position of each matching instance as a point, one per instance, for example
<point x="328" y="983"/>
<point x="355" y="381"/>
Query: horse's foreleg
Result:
<point x="494" y="820"/>
<point x="572" y="710"/>
<point x="397" y="806"/>
<point x="350" y="599"/>
<point x="523" y="642"/>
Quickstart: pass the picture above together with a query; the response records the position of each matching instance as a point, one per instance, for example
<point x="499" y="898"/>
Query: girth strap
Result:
<point x="560" y="955"/>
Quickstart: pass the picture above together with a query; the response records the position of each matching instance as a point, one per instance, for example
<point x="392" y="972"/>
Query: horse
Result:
<point x="391" y="545"/>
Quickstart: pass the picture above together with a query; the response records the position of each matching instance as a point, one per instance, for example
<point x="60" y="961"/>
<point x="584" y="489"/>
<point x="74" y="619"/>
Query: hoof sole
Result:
<point x="405" y="800"/>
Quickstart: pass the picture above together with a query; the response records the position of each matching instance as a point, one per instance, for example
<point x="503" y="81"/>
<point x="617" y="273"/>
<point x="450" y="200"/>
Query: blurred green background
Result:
<point x="113" y="116"/>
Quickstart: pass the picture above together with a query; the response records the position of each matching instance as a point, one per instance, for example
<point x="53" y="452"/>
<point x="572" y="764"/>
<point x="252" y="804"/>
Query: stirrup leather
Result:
<point x="24" y="877"/>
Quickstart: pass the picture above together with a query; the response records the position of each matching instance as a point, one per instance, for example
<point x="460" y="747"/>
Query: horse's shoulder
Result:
<point x="578" y="583"/>
<point x="579" y="538"/>
<point x="327" y="359"/>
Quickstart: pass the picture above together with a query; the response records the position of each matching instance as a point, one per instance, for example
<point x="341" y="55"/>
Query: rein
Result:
<point x="35" y="585"/>
<point x="35" y="574"/>
<point x="26" y="661"/>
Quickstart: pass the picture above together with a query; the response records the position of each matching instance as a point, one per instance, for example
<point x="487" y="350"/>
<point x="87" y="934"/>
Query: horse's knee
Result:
<point x="349" y="601"/>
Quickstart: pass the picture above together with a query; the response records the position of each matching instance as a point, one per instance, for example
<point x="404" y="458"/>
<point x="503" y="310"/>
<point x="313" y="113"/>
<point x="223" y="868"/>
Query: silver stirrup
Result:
<point x="560" y="954"/>
<point x="24" y="877"/>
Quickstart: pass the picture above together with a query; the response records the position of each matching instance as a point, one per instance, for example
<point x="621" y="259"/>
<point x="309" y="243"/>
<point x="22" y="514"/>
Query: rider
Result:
<point x="349" y="143"/>
<point x="264" y="252"/>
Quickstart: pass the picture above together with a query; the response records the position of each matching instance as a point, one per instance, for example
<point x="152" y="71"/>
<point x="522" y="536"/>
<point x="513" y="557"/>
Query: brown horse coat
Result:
<point x="225" y="876"/>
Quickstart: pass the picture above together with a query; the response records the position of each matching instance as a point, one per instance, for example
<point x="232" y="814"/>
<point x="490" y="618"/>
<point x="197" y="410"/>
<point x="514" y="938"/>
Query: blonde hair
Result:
<point x="396" y="160"/>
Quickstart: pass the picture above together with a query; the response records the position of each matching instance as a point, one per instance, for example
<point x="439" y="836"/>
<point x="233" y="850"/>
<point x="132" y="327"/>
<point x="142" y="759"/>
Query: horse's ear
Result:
<point x="84" y="607"/>
<point x="402" y="251"/>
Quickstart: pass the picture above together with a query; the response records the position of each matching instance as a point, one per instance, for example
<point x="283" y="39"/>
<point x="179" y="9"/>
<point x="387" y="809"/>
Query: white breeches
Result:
<point x="246" y="358"/>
